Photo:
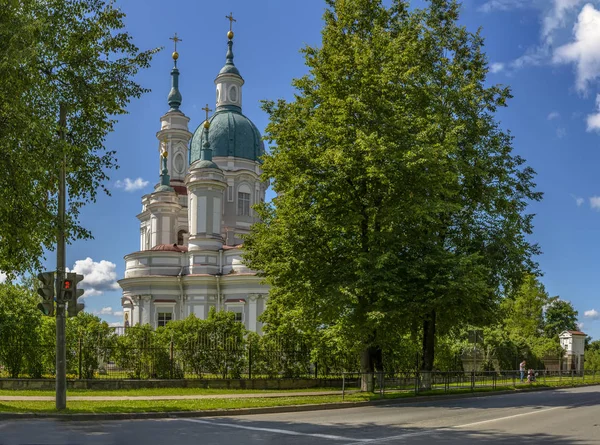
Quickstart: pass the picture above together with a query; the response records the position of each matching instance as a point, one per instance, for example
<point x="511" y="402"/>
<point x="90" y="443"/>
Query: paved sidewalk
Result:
<point x="174" y="397"/>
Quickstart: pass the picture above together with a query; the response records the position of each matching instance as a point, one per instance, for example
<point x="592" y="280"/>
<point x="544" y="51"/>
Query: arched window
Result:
<point x="233" y="94"/>
<point x="243" y="205"/>
<point x="181" y="237"/>
<point x="148" y="239"/>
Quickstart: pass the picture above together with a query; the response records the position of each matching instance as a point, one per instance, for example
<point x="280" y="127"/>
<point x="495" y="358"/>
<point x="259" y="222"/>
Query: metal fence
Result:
<point x="412" y="383"/>
<point x="203" y="359"/>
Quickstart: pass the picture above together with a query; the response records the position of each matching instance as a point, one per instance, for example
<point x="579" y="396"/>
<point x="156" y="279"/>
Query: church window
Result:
<point x="230" y="193"/>
<point x="164" y="318"/>
<point x="181" y="237"/>
<point x="238" y="313"/>
<point x="233" y="93"/>
<point x="148" y="239"/>
<point x="178" y="163"/>
<point x="243" y="204"/>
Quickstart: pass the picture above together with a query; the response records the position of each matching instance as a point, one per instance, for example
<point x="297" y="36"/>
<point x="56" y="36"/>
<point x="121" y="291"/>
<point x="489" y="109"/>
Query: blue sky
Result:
<point x="548" y="51"/>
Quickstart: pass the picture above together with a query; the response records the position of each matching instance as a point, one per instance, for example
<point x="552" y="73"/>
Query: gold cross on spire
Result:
<point x="231" y="20"/>
<point x="208" y="110"/>
<point x="175" y="39"/>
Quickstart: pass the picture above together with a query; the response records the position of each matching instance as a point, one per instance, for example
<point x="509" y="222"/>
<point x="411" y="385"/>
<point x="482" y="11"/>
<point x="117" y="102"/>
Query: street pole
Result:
<point x="61" y="347"/>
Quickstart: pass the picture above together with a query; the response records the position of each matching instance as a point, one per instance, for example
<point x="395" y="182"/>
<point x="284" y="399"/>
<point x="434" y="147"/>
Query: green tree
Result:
<point x="19" y="335"/>
<point x="524" y="312"/>
<point x="398" y="195"/>
<point x="560" y="315"/>
<point x="53" y="52"/>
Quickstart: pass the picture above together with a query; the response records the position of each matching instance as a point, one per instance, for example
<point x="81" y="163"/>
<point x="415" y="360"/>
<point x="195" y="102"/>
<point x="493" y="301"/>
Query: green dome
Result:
<point x="230" y="134"/>
<point x="204" y="164"/>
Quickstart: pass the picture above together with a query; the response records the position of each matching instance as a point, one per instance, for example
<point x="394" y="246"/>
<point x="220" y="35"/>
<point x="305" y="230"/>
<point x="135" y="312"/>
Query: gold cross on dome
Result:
<point x="175" y="39"/>
<point x="208" y="110"/>
<point x="231" y="20"/>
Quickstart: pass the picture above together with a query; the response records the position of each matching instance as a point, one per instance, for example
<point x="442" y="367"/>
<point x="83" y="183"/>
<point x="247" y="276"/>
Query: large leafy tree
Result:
<point x="559" y="316"/>
<point x="398" y="194"/>
<point x="19" y="324"/>
<point x="53" y="52"/>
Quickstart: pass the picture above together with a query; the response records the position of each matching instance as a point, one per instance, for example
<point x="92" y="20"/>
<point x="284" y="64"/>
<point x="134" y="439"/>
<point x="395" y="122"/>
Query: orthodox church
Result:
<point x="191" y="224"/>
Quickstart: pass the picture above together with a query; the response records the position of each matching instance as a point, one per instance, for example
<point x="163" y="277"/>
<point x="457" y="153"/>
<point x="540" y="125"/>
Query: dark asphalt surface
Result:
<point x="566" y="416"/>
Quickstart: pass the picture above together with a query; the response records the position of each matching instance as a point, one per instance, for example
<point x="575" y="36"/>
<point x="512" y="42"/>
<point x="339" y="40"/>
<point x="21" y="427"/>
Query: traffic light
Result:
<point x="46" y="291"/>
<point x="70" y="293"/>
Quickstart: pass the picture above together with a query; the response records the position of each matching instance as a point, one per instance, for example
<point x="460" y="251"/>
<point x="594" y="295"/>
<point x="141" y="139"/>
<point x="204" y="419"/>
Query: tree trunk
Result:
<point x="428" y="349"/>
<point x="367" y="367"/>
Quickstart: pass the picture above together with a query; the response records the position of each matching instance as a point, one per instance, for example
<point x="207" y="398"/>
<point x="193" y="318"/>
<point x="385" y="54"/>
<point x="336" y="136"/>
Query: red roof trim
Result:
<point x="576" y="333"/>
<point x="181" y="190"/>
<point x="235" y="300"/>
<point x="239" y="246"/>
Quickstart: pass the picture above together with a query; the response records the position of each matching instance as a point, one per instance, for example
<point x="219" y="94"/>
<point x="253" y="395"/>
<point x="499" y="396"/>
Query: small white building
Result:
<point x="573" y="343"/>
<point x="191" y="225"/>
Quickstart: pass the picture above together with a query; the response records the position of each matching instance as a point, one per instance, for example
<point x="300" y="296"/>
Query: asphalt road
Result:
<point x="567" y="416"/>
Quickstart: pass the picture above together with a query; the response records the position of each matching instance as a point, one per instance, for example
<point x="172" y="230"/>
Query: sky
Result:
<point x="547" y="51"/>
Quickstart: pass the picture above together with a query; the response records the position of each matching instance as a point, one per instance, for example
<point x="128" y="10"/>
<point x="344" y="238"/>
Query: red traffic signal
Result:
<point x="68" y="284"/>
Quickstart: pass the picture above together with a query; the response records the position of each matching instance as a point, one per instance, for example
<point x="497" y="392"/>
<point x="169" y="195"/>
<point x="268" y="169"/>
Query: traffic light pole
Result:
<point x="61" y="347"/>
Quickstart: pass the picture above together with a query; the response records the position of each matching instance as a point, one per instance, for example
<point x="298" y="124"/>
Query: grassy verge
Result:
<point x="154" y="391"/>
<point x="179" y="405"/>
<point x="131" y="406"/>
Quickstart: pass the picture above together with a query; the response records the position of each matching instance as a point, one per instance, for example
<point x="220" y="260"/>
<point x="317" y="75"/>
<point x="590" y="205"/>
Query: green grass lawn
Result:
<point x="129" y="406"/>
<point x="154" y="391"/>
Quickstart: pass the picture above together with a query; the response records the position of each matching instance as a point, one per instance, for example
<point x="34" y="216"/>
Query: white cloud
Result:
<point x="593" y="120"/>
<point x="595" y="202"/>
<point x="2" y="277"/>
<point x="496" y="67"/>
<point x="561" y="132"/>
<point x="131" y="185"/>
<point x="578" y="200"/>
<point x="502" y="5"/>
<point x="584" y="52"/>
<point x="580" y="326"/>
<point x="593" y="314"/>
<point x="553" y="115"/>
<point x="98" y="276"/>
<point x="116" y="324"/>
<point x="108" y="310"/>
<point x="556" y="17"/>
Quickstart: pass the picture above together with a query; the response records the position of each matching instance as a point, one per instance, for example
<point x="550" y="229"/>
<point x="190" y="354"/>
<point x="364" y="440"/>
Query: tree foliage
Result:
<point x="19" y="330"/>
<point x="398" y="194"/>
<point x="53" y="52"/>
<point x="559" y="316"/>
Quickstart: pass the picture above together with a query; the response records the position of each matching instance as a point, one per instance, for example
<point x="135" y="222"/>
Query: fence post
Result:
<point x="79" y="358"/>
<point x="171" y="356"/>
<point x="343" y="384"/>
<point x="249" y="360"/>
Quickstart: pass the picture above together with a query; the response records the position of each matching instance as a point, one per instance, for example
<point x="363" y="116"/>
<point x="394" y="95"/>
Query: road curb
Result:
<point x="270" y="409"/>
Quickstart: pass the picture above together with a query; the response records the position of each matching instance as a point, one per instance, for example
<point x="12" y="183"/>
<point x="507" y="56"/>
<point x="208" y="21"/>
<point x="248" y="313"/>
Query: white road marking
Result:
<point x="275" y="430"/>
<point x="509" y="417"/>
<point x="440" y="430"/>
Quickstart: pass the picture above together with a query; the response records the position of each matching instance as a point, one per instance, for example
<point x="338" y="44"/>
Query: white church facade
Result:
<point x="192" y="223"/>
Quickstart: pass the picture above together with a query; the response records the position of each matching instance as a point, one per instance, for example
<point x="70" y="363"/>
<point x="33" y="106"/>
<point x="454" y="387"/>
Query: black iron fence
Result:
<point x="418" y="382"/>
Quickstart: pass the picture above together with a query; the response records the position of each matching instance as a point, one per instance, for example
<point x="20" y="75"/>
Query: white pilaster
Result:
<point x="252" y="313"/>
<point x="145" y="309"/>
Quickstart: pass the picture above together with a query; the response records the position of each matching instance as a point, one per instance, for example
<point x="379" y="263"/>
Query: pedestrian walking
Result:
<point x="522" y="370"/>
